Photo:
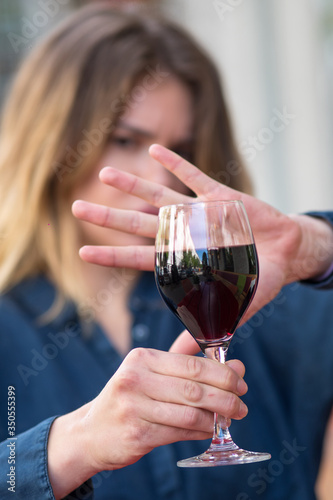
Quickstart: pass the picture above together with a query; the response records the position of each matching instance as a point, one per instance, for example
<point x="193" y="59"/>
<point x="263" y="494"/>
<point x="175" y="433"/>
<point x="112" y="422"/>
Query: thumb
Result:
<point x="185" y="344"/>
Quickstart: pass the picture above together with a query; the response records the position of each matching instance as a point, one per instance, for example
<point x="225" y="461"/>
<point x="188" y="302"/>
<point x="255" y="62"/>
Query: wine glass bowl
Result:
<point x="206" y="270"/>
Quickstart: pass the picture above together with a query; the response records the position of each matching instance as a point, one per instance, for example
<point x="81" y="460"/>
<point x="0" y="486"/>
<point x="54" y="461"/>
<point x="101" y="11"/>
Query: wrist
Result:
<point x="69" y="462"/>
<point x="315" y="253"/>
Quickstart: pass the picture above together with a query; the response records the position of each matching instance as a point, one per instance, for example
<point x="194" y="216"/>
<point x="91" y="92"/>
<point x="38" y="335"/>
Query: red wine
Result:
<point x="209" y="290"/>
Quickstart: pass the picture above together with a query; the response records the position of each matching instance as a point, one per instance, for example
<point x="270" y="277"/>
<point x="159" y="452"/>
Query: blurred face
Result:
<point x="164" y="116"/>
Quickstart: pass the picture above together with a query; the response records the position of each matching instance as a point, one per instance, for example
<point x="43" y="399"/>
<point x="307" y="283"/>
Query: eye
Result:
<point x="123" y="141"/>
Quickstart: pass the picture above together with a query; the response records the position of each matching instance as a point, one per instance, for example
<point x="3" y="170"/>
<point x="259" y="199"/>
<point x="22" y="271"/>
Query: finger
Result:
<point x="141" y="258"/>
<point x="190" y="393"/>
<point x="161" y="435"/>
<point x="237" y="366"/>
<point x="194" y="368"/>
<point x="173" y="423"/>
<point x="174" y="415"/>
<point x="185" y="344"/>
<point x="181" y="420"/>
<point x="153" y="193"/>
<point x="191" y="176"/>
<point x="129" y="221"/>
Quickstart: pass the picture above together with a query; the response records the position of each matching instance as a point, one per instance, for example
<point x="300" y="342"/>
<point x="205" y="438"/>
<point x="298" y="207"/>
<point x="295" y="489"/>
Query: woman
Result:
<point x="286" y="346"/>
<point x="107" y="85"/>
<point x="102" y="88"/>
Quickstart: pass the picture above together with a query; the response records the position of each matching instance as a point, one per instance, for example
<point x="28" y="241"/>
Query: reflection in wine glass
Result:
<point x="207" y="273"/>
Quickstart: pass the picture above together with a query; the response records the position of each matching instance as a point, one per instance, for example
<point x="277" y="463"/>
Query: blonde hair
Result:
<point x="66" y="98"/>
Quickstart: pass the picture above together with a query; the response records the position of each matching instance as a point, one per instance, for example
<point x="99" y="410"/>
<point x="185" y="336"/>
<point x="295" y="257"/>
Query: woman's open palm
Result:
<point x="278" y="237"/>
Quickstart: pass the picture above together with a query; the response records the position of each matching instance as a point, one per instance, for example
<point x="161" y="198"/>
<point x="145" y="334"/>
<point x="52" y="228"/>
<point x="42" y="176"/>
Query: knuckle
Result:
<point x="106" y="219"/>
<point x="194" y="367"/>
<point x="190" y="435"/>
<point x="157" y="195"/>
<point x="138" y="258"/>
<point x="212" y="190"/>
<point x="132" y="184"/>
<point x="135" y="354"/>
<point x="127" y="410"/>
<point x="230" y="405"/>
<point x="126" y="380"/>
<point x="191" y="417"/>
<point x="139" y="355"/>
<point x="136" y="434"/>
<point x="161" y="413"/>
<point x="229" y="378"/>
<point x="186" y="435"/>
<point x="192" y="391"/>
<point x="134" y="224"/>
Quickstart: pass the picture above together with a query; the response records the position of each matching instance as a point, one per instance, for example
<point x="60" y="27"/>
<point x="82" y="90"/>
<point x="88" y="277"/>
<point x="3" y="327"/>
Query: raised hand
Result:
<point x="289" y="247"/>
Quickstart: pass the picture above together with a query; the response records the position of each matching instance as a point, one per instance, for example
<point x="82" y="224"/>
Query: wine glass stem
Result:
<point x="221" y="437"/>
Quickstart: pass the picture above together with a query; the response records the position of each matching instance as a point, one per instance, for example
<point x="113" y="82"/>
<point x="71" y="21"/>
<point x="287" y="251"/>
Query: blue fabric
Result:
<point x="325" y="283"/>
<point x="287" y="348"/>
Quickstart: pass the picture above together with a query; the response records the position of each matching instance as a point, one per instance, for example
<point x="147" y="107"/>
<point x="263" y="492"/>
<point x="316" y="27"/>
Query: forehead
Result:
<point x="165" y="108"/>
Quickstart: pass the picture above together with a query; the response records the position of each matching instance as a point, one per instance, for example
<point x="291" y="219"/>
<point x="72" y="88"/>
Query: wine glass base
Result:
<point x="213" y="458"/>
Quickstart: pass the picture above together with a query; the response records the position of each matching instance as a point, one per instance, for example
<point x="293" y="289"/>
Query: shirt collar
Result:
<point x="36" y="295"/>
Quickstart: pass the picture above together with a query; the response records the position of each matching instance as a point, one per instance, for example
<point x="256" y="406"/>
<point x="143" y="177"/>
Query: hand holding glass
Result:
<point x="206" y="270"/>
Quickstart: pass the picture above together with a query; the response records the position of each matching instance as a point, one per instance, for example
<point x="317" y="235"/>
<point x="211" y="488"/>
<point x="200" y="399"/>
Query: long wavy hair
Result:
<point x="64" y="103"/>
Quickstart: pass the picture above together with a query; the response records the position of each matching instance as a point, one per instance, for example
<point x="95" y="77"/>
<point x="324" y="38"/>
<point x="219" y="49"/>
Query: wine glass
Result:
<point x="206" y="270"/>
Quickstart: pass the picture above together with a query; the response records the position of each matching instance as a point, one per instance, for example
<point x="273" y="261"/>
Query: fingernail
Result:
<point x="243" y="410"/>
<point x="241" y="386"/>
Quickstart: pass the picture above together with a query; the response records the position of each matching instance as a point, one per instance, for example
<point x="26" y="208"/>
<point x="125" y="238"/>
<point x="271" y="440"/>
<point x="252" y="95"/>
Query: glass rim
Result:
<point x="210" y="202"/>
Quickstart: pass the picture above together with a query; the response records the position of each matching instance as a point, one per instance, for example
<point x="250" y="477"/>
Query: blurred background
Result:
<point x="276" y="63"/>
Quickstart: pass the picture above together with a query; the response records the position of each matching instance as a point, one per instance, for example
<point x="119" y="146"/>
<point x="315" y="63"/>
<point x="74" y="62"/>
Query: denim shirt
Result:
<point x="287" y="348"/>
